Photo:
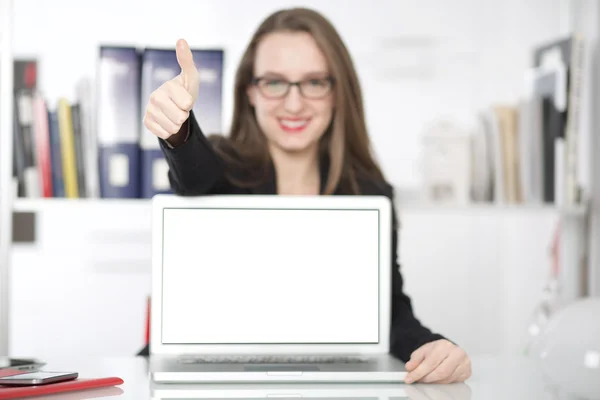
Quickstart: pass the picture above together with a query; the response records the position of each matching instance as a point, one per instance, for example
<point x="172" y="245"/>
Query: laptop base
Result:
<point x="379" y="369"/>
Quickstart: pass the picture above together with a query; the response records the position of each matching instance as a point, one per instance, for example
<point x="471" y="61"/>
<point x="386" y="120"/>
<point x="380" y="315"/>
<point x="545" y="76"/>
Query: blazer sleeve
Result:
<point x="407" y="333"/>
<point x="194" y="166"/>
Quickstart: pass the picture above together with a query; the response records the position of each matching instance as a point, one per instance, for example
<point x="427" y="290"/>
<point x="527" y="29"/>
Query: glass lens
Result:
<point x="273" y="87"/>
<point x="315" y="87"/>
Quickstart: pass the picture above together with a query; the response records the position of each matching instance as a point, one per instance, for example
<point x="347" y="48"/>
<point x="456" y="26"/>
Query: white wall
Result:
<point x="82" y="287"/>
<point x="477" y="53"/>
<point x="474" y="275"/>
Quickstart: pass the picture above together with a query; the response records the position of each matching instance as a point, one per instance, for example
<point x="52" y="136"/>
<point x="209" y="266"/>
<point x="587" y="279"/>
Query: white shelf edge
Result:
<point x="41" y="204"/>
<point x="492" y="207"/>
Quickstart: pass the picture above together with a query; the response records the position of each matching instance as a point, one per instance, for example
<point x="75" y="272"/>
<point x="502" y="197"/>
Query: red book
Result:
<point x="19" y="392"/>
<point x="42" y="144"/>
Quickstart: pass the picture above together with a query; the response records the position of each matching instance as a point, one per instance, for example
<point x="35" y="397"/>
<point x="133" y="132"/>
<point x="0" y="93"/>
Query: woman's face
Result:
<point x="291" y="121"/>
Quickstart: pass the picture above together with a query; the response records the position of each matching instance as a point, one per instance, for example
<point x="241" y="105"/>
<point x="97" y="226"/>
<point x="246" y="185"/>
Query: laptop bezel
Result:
<point x="380" y="203"/>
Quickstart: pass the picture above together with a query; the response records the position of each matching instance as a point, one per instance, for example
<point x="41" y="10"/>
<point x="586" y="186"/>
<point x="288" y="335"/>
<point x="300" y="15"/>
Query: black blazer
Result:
<point x="196" y="169"/>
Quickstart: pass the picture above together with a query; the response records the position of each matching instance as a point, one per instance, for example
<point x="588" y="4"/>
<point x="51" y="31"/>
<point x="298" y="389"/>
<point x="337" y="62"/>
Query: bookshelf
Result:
<point x="125" y="220"/>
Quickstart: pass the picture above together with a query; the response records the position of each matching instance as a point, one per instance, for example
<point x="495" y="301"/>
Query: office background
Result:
<point x="476" y="268"/>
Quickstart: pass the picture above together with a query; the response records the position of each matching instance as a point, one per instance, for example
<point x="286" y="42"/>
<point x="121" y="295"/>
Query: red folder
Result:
<point x="19" y="392"/>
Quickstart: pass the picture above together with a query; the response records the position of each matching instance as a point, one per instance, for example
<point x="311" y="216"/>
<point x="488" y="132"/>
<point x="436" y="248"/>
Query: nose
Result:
<point x="294" y="101"/>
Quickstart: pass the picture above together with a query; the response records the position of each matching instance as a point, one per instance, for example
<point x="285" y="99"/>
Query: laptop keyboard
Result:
<point x="272" y="359"/>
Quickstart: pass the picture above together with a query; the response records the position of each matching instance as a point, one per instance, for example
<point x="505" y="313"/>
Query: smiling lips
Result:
<point x="293" y="125"/>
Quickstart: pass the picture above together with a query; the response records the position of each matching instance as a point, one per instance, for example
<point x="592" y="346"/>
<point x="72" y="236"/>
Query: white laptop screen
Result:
<point x="270" y="276"/>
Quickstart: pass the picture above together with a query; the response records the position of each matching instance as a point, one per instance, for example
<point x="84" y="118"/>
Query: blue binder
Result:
<point x="160" y="65"/>
<point x="118" y="122"/>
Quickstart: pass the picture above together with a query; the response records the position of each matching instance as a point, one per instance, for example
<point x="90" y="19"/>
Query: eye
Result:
<point x="318" y="82"/>
<point x="272" y="83"/>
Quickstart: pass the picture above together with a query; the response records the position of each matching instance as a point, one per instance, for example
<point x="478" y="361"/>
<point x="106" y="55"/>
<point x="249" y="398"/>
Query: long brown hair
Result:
<point x="345" y="143"/>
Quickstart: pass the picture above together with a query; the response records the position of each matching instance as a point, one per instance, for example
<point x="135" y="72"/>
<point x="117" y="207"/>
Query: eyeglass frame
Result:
<point x="256" y="80"/>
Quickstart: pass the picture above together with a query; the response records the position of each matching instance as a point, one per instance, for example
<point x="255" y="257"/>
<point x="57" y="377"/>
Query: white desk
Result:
<point x="494" y="378"/>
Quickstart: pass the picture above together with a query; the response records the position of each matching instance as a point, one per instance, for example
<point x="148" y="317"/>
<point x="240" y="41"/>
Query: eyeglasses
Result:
<point x="275" y="88"/>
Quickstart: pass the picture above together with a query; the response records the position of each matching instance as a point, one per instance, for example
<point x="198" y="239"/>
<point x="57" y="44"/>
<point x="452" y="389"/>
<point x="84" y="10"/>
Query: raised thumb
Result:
<point x="186" y="62"/>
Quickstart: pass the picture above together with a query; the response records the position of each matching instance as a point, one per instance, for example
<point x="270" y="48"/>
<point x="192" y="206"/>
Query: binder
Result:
<point x="208" y="108"/>
<point x="118" y="122"/>
<point x="55" y="155"/>
<point x="159" y="66"/>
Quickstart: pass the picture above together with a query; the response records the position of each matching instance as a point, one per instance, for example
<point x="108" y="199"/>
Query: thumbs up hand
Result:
<point x="170" y="105"/>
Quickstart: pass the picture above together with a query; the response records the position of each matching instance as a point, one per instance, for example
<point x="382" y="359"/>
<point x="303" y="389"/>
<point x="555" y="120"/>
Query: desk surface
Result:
<point x="494" y="378"/>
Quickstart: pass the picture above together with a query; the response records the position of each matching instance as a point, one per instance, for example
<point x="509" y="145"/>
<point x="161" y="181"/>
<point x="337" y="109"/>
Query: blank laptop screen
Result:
<point x="278" y="276"/>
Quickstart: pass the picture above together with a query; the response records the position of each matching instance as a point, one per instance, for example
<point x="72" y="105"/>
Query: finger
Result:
<point x="446" y="368"/>
<point x="186" y="62"/>
<point x="462" y="373"/>
<point x="412" y="364"/>
<point x="449" y="379"/>
<point x="175" y="115"/>
<point x="162" y="100"/>
<point x="165" y="122"/>
<point x="437" y="354"/>
<point x="417" y="356"/>
<point x="459" y="375"/>
<point x="166" y="112"/>
<point x="180" y="96"/>
<point x="424" y="368"/>
<point x="454" y="377"/>
<point x="465" y="376"/>
<point x="155" y="127"/>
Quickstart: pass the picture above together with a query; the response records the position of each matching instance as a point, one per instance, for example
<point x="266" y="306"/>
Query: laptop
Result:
<point x="253" y="288"/>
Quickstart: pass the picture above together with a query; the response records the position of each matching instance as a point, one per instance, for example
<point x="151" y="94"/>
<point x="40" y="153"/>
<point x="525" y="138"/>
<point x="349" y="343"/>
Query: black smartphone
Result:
<point x="37" y="378"/>
<point x="27" y="364"/>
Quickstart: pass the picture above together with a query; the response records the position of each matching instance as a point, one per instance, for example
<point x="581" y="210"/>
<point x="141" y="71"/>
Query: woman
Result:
<point x="298" y="128"/>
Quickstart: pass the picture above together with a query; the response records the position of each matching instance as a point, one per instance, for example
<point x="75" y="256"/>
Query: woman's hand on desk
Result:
<point x="440" y="361"/>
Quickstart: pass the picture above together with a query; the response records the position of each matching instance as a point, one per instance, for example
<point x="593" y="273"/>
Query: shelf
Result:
<point x="411" y="200"/>
<point x="579" y="210"/>
<point x="42" y="204"/>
